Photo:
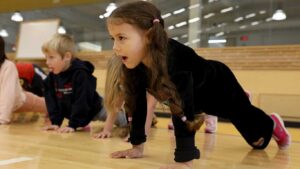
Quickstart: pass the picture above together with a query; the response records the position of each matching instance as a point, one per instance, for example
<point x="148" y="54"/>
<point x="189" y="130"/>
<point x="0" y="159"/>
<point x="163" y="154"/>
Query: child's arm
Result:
<point x="138" y="120"/>
<point x="137" y="150"/>
<point x="51" y="103"/>
<point x="108" y="126"/>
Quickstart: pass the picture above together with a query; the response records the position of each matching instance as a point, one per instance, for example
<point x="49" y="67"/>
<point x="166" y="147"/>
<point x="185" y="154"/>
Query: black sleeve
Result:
<point x="138" y="91"/>
<point x="137" y="132"/>
<point x="83" y="93"/>
<point x="55" y="115"/>
<point x="37" y="86"/>
<point x="185" y="139"/>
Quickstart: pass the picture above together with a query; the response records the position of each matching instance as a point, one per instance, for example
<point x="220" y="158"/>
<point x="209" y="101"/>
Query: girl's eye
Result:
<point x="121" y="37"/>
<point x="112" y="38"/>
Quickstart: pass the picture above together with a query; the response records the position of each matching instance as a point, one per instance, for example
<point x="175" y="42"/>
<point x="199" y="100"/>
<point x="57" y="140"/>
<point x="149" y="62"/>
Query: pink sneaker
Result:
<point x="211" y="123"/>
<point x="280" y="133"/>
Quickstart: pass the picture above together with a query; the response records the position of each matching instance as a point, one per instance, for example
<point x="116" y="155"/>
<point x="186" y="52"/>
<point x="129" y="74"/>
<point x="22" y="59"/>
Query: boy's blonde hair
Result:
<point x="113" y="93"/>
<point x="60" y="44"/>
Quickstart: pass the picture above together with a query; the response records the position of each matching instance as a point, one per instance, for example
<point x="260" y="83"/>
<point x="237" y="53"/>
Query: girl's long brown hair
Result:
<point x="113" y="94"/>
<point x="146" y="16"/>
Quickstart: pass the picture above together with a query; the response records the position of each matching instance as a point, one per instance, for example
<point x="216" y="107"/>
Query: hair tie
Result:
<point x="156" y="20"/>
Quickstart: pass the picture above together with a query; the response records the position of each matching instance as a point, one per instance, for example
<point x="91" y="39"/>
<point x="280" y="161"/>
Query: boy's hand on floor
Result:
<point x="135" y="152"/>
<point x="51" y="127"/>
<point x="103" y="134"/>
<point x="65" y="130"/>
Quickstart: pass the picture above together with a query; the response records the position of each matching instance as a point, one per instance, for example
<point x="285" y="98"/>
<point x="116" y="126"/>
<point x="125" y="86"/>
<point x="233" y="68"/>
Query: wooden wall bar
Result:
<point x="277" y="57"/>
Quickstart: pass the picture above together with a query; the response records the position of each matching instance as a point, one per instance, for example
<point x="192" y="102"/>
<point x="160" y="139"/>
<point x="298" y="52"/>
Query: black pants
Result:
<point x="223" y="96"/>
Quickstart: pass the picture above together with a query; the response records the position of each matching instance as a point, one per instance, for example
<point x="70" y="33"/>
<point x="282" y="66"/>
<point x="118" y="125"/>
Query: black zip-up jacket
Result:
<point x="203" y="85"/>
<point x="72" y="94"/>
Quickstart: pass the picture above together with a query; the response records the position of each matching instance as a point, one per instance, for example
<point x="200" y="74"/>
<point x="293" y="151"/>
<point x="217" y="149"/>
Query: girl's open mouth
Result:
<point x="124" y="58"/>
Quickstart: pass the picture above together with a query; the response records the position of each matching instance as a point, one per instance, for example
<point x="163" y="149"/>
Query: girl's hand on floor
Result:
<point x="135" y="152"/>
<point x="51" y="127"/>
<point x="176" y="165"/>
<point x="65" y="130"/>
<point x="103" y="134"/>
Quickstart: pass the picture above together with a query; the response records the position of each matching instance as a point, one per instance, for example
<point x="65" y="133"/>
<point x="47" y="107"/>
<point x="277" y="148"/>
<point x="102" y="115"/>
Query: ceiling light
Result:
<point x="254" y="23"/>
<point x="243" y="27"/>
<point x="17" y="17"/>
<point x="217" y="41"/>
<point x="219" y="34"/>
<point x="208" y="15"/>
<point x="184" y="36"/>
<point x="181" y="24"/>
<point x="187" y="43"/>
<point x="175" y="38"/>
<point x="194" y="6"/>
<point x="250" y="15"/>
<point x="61" y="30"/>
<point x="166" y="15"/>
<point x="196" y="40"/>
<point x="111" y="7"/>
<point x="238" y="19"/>
<point x="221" y="25"/>
<point x="226" y="9"/>
<point x="179" y="11"/>
<point x="262" y="12"/>
<point x="106" y="14"/>
<point x="194" y="20"/>
<point x="3" y="33"/>
<point x="171" y="27"/>
<point x="279" y="15"/>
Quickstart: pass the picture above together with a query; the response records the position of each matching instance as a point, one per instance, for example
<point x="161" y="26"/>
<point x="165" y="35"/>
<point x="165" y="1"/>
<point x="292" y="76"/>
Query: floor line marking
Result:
<point x="15" y="160"/>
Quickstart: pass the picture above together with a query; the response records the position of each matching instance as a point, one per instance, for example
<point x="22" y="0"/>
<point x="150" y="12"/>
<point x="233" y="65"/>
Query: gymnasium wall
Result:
<point x="270" y="73"/>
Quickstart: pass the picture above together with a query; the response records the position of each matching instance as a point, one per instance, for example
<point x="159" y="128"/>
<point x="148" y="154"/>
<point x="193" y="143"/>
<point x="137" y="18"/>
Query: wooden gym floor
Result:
<point x="24" y="145"/>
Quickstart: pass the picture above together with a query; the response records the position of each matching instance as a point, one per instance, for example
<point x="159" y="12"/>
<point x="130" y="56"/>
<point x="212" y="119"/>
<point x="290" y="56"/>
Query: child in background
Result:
<point x="70" y="88"/>
<point x="12" y="97"/>
<point x="184" y="81"/>
<point x="114" y="99"/>
<point x="31" y="78"/>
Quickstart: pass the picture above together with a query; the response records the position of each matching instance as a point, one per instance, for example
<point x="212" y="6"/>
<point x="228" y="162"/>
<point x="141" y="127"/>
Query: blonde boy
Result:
<point x="70" y="88"/>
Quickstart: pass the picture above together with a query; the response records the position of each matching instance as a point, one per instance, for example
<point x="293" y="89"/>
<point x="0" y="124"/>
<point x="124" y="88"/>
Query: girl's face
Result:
<point x="56" y="63"/>
<point x="129" y="43"/>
